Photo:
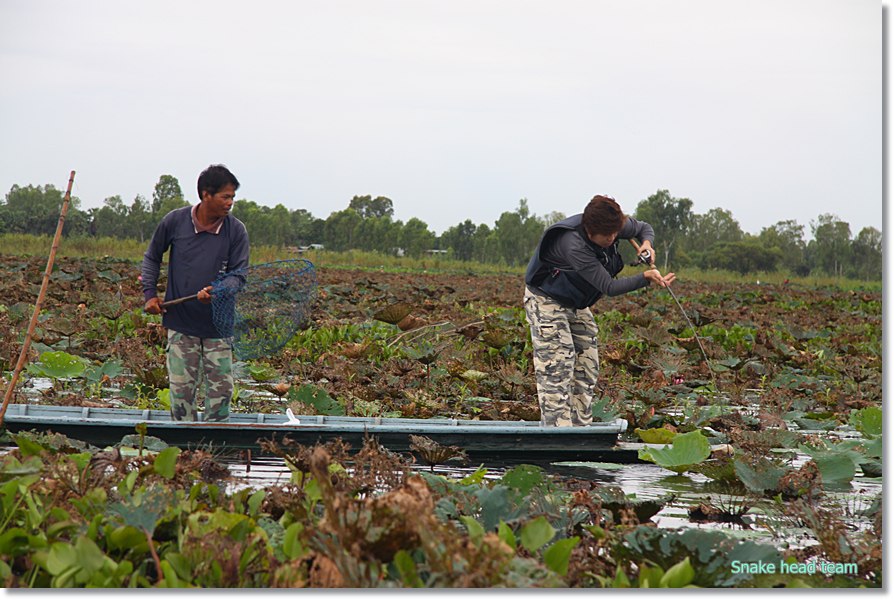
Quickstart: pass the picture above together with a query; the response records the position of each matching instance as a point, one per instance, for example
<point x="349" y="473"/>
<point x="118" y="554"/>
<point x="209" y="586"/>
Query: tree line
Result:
<point x="713" y="240"/>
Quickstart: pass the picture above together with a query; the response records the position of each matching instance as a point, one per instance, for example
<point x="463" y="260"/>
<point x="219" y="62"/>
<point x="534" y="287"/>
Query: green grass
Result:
<point x="34" y="245"/>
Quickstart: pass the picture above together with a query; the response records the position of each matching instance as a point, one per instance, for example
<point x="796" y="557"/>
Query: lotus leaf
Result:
<point x="872" y="468"/>
<point x="868" y="421"/>
<point x="473" y="375"/>
<point x="262" y="372"/>
<point x="556" y="557"/>
<point x="836" y="466"/>
<point x="717" y="469"/>
<point x="536" y="533"/>
<point x="686" y="450"/>
<point x="873" y="448"/>
<point x="318" y="398"/>
<point x="523" y="478"/>
<point x="679" y="575"/>
<point x="815" y="425"/>
<point x="58" y="365"/>
<point x="506" y="534"/>
<point x="150" y="443"/>
<point x="603" y="411"/>
<point x="711" y="553"/>
<point x="658" y="435"/>
<point x="760" y="476"/>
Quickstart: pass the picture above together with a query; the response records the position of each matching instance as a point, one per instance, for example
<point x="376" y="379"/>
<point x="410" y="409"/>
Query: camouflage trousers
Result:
<point x="192" y="360"/>
<point x="566" y="360"/>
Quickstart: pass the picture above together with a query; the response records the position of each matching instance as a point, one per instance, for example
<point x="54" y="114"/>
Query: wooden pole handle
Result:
<point x="179" y="300"/>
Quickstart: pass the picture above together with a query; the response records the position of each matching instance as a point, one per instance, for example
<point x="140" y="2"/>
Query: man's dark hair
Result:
<point x="603" y="216"/>
<point x="215" y="177"/>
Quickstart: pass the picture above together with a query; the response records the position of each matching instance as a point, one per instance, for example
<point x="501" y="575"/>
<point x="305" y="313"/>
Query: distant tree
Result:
<point x="461" y="239"/>
<point x="36" y="209"/>
<point x="304" y="227"/>
<point x="830" y="248"/>
<point x="340" y="229"/>
<point x="111" y="219"/>
<point x="516" y="234"/>
<point x="484" y="245"/>
<point x="746" y="256"/>
<point x="788" y="237"/>
<point x="252" y="216"/>
<point x="279" y="227"/>
<point x="139" y="219"/>
<point x="553" y="218"/>
<point x="415" y="238"/>
<point x="368" y="207"/>
<point x="670" y="217"/>
<point x="866" y="250"/>
<point x="378" y="234"/>
<point x="168" y="205"/>
<point x="167" y="194"/>
<point x="716" y="225"/>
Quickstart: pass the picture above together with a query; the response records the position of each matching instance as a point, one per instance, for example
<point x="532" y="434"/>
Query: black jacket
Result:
<point x="569" y="268"/>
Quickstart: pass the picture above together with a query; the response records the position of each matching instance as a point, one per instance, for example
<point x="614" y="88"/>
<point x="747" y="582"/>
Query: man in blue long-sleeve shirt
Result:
<point x="205" y="241"/>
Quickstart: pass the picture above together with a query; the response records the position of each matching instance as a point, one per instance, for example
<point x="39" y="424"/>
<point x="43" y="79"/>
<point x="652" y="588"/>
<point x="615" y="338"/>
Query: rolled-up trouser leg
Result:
<point x="553" y="358"/>
<point x="188" y="359"/>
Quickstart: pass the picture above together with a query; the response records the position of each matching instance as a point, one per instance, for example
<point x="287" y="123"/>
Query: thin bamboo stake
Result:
<point x="23" y="355"/>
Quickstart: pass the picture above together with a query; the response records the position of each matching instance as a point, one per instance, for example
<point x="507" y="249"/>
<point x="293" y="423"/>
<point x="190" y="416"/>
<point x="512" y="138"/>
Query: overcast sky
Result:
<point x="455" y="110"/>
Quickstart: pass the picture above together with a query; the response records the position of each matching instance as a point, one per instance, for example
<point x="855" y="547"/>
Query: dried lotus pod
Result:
<point x="410" y="322"/>
<point x="434" y="453"/>
<point x="355" y="349"/>
<point x="393" y="313"/>
<point x="278" y="389"/>
<point x="470" y="331"/>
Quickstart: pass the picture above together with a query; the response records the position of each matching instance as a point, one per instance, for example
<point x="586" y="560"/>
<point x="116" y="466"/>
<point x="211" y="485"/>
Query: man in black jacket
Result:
<point x="574" y="265"/>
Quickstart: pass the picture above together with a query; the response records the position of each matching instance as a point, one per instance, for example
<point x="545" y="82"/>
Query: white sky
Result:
<point x="771" y="109"/>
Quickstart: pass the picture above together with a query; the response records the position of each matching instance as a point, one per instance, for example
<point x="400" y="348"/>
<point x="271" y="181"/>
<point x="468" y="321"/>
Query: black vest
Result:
<point x="564" y="285"/>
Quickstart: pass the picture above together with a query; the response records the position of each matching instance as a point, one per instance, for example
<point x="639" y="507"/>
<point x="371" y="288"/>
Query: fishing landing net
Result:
<point x="262" y="306"/>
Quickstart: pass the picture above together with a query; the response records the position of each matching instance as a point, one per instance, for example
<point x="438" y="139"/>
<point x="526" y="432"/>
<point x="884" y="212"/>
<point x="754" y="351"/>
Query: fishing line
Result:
<point x="645" y="259"/>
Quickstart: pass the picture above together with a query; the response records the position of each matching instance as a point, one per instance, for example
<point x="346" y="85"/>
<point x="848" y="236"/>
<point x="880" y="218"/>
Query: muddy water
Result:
<point x="763" y="522"/>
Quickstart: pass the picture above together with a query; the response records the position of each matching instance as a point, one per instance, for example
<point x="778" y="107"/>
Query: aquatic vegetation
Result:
<point x="784" y="382"/>
<point x="686" y="450"/>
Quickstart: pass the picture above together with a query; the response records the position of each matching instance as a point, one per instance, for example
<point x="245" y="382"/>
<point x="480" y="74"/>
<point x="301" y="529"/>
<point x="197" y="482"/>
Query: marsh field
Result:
<point x="761" y="466"/>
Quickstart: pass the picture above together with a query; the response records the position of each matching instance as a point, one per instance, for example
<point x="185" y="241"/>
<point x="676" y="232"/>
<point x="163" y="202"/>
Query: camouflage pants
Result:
<point x="191" y="359"/>
<point x="566" y="360"/>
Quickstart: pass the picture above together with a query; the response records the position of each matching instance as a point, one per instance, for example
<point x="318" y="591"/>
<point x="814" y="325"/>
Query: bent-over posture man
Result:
<point x="573" y="266"/>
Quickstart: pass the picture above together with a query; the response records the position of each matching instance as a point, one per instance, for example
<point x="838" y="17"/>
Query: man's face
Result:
<point x="603" y="240"/>
<point x="218" y="205"/>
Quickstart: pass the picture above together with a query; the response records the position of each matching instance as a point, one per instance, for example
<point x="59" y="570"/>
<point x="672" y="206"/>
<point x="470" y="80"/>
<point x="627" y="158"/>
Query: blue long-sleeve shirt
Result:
<point x="195" y="261"/>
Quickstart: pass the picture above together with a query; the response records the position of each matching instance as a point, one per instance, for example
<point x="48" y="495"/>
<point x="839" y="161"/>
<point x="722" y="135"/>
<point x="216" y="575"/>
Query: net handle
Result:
<point x="179" y="300"/>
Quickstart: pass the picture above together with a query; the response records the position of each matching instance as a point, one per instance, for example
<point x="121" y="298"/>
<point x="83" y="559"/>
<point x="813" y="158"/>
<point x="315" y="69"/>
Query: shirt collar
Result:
<point x="199" y="228"/>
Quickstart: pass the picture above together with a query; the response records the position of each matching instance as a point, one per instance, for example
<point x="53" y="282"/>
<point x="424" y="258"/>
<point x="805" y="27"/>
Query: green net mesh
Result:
<point x="261" y="307"/>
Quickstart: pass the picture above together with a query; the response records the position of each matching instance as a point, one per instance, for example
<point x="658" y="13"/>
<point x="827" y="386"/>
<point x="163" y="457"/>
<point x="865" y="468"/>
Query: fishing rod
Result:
<point x="644" y="257"/>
